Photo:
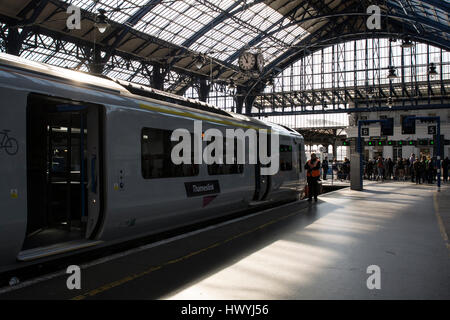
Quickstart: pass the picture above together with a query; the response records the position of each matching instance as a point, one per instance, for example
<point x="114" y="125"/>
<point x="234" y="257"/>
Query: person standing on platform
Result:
<point x="313" y="175"/>
<point x="416" y="168"/>
<point x="346" y="166"/>
<point x="369" y="169"/>
<point x="401" y="169"/>
<point x="390" y="168"/>
<point x="423" y="166"/>
<point x="325" y="168"/>
<point x="412" y="159"/>
<point x="380" y="167"/>
<point x="445" y="169"/>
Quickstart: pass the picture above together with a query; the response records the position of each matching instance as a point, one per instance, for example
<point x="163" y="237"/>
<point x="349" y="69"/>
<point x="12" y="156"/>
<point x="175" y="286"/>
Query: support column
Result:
<point x="249" y="104"/>
<point x="13" y="41"/>
<point x="203" y="91"/>
<point x="334" y="150"/>
<point x="239" y="99"/>
<point x="157" y="78"/>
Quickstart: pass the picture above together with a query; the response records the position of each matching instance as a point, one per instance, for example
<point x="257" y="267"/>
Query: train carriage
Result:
<point x="85" y="162"/>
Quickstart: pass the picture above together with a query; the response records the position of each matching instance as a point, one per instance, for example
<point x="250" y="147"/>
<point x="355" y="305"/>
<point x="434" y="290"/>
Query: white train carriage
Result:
<point x="85" y="161"/>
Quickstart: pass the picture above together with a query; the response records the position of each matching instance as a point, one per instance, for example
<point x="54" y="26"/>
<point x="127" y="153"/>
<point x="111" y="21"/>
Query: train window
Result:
<point x="221" y="169"/>
<point x="285" y="157"/>
<point x="156" y="148"/>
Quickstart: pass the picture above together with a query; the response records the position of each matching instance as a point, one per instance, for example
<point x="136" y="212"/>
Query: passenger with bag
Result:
<point x="313" y="175"/>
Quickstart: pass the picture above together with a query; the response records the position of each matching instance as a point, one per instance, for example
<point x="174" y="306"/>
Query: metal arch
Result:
<point x="324" y="9"/>
<point x="443" y="28"/>
<point x="419" y="18"/>
<point x="261" y="35"/>
<point x="294" y="54"/>
<point x="441" y="4"/>
<point x="440" y="41"/>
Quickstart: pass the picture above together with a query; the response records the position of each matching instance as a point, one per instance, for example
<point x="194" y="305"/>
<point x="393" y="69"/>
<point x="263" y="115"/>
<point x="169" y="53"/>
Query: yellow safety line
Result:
<point x="440" y="222"/>
<point x="198" y="117"/>
<point x="190" y="255"/>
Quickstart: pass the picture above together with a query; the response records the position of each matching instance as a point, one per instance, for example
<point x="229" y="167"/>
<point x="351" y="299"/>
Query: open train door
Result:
<point x="94" y="180"/>
<point x="64" y="143"/>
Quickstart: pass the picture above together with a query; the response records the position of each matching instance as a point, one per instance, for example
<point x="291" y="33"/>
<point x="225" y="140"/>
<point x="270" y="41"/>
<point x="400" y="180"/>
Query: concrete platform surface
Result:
<point x="297" y="251"/>
<point x="392" y="225"/>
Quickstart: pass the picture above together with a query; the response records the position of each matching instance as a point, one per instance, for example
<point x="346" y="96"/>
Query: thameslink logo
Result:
<point x="258" y="147"/>
<point x="206" y="188"/>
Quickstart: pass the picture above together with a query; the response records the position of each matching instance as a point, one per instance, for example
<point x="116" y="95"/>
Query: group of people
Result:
<point x="421" y="169"/>
<point x="339" y="170"/>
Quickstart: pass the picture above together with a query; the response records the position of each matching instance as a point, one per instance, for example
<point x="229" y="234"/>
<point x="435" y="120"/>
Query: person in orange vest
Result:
<point x="313" y="175"/>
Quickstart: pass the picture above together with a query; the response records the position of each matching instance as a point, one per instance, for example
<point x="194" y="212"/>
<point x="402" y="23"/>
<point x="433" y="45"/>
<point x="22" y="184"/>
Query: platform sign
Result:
<point x="432" y="130"/>
<point x="365" y="132"/>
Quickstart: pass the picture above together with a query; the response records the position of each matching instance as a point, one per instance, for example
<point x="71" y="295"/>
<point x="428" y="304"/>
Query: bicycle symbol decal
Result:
<point x="8" y="143"/>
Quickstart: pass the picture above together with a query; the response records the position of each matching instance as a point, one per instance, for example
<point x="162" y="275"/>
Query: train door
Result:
<point x="263" y="182"/>
<point x="63" y="152"/>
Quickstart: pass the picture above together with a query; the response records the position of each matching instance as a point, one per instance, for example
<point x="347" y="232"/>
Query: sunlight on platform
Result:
<point x="329" y="257"/>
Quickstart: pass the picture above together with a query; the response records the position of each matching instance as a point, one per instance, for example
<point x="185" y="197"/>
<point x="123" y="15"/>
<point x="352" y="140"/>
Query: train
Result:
<point x="85" y="163"/>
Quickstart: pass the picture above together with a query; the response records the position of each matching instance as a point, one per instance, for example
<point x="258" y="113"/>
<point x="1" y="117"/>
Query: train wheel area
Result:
<point x="328" y="250"/>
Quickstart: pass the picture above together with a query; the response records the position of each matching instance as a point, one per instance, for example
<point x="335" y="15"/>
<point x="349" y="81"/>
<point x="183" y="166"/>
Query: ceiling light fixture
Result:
<point x="392" y="73"/>
<point x="101" y="22"/>
<point x="432" y="71"/>
<point x="390" y="102"/>
<point x="407" y="43"/>
<point x="199" y="62"/>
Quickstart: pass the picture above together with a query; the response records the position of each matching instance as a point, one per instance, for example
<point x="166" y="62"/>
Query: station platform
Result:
<point x="297" y="251"/>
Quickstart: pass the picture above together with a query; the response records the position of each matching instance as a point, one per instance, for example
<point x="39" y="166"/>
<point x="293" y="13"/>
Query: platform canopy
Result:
<point x="174" y="35"/>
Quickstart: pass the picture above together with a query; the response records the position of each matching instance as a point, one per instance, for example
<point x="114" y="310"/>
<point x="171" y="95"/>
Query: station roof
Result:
<point x="173" y="33"/>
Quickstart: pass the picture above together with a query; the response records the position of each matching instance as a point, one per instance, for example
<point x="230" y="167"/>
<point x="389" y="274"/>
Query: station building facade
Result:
<point x="402" y="140"/>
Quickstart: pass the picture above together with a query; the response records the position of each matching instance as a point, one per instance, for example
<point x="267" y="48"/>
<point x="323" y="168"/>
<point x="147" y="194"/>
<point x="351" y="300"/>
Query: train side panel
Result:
<point x="13" y="173"/>
<point x="138" y="205"/>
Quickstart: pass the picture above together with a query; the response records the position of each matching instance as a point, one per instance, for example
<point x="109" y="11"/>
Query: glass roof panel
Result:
<point x="177" y="21"/>
<point x="118" y="11"/>
<point x="236" y="32"/>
